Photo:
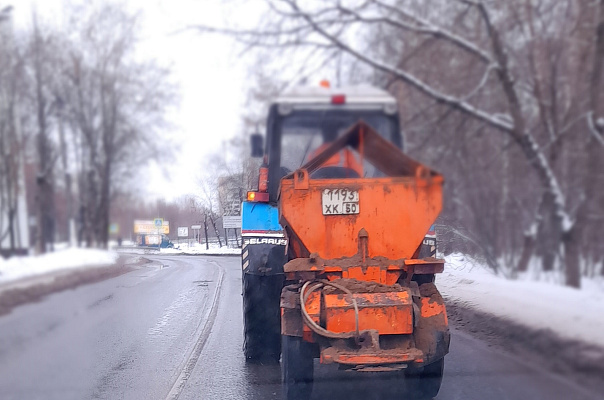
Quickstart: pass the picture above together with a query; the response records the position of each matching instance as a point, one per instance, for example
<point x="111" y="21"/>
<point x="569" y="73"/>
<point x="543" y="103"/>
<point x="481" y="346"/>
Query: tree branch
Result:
<point x="592" y="128"/>
<point x="431" y="29"/>
<point x="451" y="101"/>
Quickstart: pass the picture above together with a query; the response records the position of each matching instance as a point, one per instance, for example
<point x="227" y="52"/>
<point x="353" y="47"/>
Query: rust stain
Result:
<point x="430" y="308"/>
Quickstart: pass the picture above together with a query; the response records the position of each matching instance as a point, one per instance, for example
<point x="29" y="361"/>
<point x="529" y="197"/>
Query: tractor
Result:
<point x="339" y="251"/>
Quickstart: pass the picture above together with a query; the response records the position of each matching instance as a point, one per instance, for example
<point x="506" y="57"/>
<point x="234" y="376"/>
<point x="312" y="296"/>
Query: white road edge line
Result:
<point x="193" y="357"/>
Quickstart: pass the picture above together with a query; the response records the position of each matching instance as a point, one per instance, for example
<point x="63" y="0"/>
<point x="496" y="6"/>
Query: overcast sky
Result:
<point x="211" y="77"/>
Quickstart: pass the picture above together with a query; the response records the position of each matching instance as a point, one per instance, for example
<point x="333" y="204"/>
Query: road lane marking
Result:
<point x="204" y="328"/>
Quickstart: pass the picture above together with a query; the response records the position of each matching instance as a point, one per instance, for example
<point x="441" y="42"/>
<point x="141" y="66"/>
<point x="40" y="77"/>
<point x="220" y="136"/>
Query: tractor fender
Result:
<point x="263" y="256"/>
<point x="431" y="331"/>
<point x="264" y="244"/>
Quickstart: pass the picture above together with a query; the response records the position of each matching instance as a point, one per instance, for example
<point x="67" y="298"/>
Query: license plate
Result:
<point x="340" y="201"/>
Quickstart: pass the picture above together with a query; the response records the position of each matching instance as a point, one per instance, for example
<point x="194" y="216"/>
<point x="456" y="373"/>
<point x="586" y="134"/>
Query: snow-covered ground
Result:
<point x="21" y="267"/>
<point x="570" y="313"/>
<point x="200" y="249"/>
<point x="184" y="248"/>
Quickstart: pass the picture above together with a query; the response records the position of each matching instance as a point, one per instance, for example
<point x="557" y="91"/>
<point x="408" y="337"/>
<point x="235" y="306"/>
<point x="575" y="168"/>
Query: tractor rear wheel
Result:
<point x="426" y="384"/>
<point x="296" y="368"/>
<point x="261" y="317"/>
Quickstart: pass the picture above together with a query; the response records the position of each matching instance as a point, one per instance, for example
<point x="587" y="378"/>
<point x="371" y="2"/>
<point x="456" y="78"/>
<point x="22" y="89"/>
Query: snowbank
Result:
<point x="197" y="248"/>
<point x="194" y="249"/>
<point x="570" y="313"/>
<point x="20" y="267"/>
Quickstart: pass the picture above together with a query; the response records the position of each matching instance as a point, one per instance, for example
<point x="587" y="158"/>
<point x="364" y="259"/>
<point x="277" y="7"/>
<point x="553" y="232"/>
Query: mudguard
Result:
<point x="431" y="333"/>
<point x="264" y="243"/>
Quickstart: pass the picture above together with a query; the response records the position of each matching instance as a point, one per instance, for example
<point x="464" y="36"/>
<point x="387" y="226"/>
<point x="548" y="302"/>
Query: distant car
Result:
<point x="153" y="240"/>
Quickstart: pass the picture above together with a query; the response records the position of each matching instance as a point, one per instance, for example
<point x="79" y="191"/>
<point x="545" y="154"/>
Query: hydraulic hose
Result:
<point x="304" y="295"/>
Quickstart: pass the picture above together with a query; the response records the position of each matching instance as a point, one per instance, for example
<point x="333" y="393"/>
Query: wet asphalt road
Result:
<point x="173" y="330"/>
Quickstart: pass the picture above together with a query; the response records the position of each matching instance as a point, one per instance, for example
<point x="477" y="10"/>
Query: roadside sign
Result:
<point x="183" y="231"/>
<point x="231" y="221"/>
<point x="158" y="222"/>
<point x="148" y="226"/>
<point x="196" y="227"/>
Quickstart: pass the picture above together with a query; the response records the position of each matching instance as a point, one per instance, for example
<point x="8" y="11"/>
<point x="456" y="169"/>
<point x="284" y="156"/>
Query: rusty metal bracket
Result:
<point x="301" y="181"/>
<point x="363" y="248"/>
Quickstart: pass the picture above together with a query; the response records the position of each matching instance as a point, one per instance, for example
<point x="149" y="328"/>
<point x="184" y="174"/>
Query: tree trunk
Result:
<point x="531" y="235"/>
<point x="43" y="188"/>
<point x="528" y="249"/>
<point x="216" y="230"/>
<point x="205" y="228"/>
<point x="11" y="228"/>
<point x="572" y="253"/>
<point x="104" y="208"/>
<point x="69" y="219"/>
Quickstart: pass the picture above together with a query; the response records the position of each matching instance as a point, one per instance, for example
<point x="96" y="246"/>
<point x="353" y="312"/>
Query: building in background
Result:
<point x="230" y="194"/>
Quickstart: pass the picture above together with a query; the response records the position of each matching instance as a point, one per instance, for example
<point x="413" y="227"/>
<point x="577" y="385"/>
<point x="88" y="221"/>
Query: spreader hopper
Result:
<point x="335" y="218"/>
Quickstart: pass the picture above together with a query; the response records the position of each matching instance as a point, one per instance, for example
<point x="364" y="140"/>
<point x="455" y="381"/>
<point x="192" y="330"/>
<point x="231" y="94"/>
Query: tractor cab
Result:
<point x="305" y="120"/>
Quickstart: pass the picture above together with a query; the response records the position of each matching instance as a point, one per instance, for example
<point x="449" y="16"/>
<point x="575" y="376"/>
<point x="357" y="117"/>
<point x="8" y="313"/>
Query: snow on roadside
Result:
<point x="200" y="249"/>
<point x="21" y="267"/>
<point x="570" y="313"/>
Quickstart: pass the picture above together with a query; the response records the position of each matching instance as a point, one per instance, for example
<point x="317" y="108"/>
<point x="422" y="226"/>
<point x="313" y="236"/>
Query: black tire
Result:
<point x="262" y="317"/>
<point x="296" y="368"/>
<point x="425" y="384"/>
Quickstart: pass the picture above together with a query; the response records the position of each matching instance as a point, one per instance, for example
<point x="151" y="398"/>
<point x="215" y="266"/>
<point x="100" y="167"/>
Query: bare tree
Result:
<point x="41" y="64"/>
<point x="12" y="140"/>
<point x="116" y="105"/>
<point x="84" y="97"/>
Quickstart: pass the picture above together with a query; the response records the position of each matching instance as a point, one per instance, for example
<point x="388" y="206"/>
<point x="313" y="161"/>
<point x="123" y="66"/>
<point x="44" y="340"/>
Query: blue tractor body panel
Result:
<point x="259" y="217"/>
